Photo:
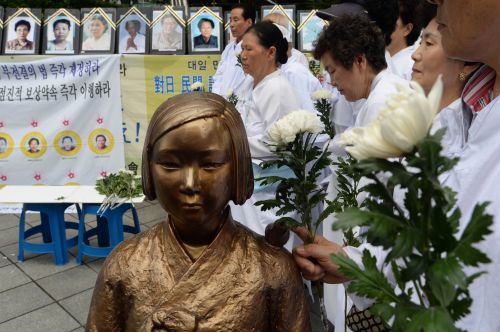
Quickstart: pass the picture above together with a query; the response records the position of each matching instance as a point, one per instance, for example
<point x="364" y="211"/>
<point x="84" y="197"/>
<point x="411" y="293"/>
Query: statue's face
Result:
<point x="192" y="174"/>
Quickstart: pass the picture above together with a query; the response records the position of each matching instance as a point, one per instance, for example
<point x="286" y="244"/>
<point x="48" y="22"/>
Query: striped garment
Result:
<point x="478" y="91"/>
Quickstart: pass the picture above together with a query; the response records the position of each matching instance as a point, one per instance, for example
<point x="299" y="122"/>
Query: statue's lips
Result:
<point x="192" y="206"/>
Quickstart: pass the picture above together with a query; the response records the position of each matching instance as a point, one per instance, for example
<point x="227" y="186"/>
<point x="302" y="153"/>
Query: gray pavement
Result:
<point x="37" y="295"/>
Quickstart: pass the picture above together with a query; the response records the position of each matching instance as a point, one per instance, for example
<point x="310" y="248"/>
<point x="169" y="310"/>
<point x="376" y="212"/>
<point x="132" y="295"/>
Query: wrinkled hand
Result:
<point x="314" y="259"/>
<point x="130" y="43"/>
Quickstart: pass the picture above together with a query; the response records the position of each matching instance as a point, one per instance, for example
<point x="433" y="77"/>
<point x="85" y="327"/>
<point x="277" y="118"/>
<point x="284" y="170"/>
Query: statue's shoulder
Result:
<point x="132" y="250"/>
<point x="263" y="248"/>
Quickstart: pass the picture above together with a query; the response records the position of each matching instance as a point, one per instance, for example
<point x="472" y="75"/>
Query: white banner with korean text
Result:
<point x="60" y="120"/>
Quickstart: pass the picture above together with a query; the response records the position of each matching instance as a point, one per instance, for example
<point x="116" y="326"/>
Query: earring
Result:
<point x="462" y="77"/>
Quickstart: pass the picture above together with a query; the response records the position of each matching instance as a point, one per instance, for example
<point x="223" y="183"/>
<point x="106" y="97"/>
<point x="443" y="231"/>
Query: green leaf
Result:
<point x="404" y="243"/>
<point x="435" y="319"/>
<point x="444" y="277"/>
<point x="476" y="230"/>
<point x="368" y="281"/>
<point x="383" y="311"/>
<point x="415" y="267"/>
<point x="478" y="226"/>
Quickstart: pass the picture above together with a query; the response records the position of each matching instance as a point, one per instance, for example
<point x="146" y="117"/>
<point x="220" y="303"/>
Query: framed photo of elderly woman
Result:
<point x="61" y="31"/>
<point x="310" y="26"/>
<point x="21" y="31"/>
<point x="168" y="30"/>
<point x="283" y="15"/>
<point x="132" y="31"/>
<point x="205" y="30"/>
<point x="97" y="30"/>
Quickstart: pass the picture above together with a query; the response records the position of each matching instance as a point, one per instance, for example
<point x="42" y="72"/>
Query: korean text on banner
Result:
<point x="60" y="119"/>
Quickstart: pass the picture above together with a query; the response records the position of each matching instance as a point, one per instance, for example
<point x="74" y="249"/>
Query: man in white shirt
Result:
<point x="229" y="73"/>
<point x="404" y="37"/>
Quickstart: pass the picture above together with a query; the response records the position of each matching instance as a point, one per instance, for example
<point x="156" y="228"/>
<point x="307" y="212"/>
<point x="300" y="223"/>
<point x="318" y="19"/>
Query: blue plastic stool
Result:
<point x="109" y="230"/>
<point x="53" y="230"/>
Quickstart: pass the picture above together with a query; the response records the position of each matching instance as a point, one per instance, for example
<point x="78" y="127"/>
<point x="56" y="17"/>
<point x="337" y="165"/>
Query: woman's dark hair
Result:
<point x="137" y="24"/>
<point x="102" y="19"/>
<point x="34" y="139"/>
<point x="67" y="136"/>
<point x="61" y="20"/>
<point x="22" y="22"/>
<point x="410" y="11"/>
<point x="100" y="135"/>
<point x="385" y="13"/>
<point x="429" y="11"/>
<point x="204" y="19"/>
<point x="349" y="36"/>
<point x="270" y="35"/>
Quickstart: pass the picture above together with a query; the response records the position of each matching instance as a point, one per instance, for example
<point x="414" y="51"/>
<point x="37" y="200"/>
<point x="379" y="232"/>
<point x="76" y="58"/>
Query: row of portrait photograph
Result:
<point x="159" y="30"/>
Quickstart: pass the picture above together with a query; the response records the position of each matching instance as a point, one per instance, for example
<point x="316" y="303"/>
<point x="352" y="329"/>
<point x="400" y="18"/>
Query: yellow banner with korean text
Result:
<point x="149" y="80"/>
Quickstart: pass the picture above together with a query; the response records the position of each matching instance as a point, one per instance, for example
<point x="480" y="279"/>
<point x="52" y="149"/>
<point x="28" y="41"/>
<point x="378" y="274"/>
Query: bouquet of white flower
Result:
<point x="426" y="254"/>
<point x="293" y="141"/>
<point x="197" y="86"/>
<point x="231" y="97"/>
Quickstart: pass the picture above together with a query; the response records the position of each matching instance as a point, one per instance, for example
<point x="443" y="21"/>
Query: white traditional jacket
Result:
<point x="229" y="74"/>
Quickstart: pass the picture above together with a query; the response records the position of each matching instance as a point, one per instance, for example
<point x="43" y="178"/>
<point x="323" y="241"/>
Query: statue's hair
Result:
<point x="188" y="107"/>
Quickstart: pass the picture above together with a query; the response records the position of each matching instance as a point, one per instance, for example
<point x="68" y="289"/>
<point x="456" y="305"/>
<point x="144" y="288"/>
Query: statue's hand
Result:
<point x="171" y="320"/>
<point x="277" y="234"/>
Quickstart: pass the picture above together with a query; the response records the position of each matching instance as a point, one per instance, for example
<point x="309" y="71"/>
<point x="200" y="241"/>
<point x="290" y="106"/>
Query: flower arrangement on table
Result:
<point x="425" y="250"/>
<point x="293" y="141"/>
<point x="119" y="188"/>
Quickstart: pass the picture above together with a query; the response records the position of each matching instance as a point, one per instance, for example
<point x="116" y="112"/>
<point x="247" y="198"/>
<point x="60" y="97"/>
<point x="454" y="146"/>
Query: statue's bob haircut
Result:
<point x="188" y="107"/>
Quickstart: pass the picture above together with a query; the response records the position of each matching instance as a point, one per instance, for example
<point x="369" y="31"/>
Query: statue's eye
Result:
<point x="211" y="165"/>
<point x="169" y="165"/>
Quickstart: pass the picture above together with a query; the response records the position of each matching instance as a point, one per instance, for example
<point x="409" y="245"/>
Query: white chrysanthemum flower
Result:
<point x="321" y="94"/>
<point x="229" y="92"/>
<point x="196" y="86"/>
<point x="399" y="127"/>
<point x="285" y="129"/>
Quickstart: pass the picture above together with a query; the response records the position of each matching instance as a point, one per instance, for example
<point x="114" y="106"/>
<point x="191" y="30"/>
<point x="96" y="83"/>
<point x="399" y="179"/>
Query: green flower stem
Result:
<point x="417" y="285"/>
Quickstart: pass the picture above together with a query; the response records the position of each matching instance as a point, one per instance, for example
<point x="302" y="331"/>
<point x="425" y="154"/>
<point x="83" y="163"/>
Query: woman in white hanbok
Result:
<point x="430" y="62"/>
<point x="266" y="98"/>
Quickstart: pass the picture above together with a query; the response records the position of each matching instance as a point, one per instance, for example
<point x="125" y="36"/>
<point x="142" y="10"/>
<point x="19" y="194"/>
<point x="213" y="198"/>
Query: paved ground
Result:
<point x="37" y="295"/>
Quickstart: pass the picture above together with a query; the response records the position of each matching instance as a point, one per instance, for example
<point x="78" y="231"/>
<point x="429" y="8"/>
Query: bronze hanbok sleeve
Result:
<point x="108" y="308"/>
<point x="289" y="310"/>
